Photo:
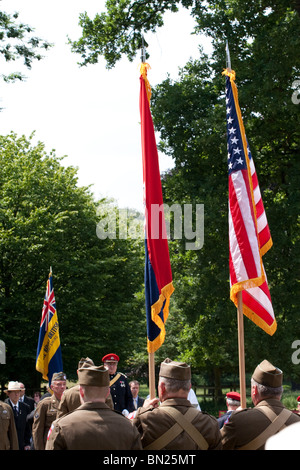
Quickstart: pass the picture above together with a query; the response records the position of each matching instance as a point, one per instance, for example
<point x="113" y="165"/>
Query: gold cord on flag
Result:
<point x="143" y="69"/>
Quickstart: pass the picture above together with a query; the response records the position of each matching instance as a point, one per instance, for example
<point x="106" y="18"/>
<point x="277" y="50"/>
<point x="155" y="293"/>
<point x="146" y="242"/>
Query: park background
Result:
<point x="49" y="217"/>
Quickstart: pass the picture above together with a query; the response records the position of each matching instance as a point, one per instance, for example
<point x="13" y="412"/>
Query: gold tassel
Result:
<point x="143" y="69"/>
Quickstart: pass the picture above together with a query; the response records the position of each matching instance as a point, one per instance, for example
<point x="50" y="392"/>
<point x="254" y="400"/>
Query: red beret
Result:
<point x="234" y="396"/>
<point x="110" y="357"/>
<point x="298" y="399"/>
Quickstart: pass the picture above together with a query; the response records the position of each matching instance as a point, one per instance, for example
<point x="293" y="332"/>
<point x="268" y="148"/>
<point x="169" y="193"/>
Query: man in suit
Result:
<point x="135" y="388"/>
<point x="21" y="411"/>
<point x="30" y="402"/>
<point x="24" y="398"/>
<point x="249" y="429"/>
<point x="93" y="426"/>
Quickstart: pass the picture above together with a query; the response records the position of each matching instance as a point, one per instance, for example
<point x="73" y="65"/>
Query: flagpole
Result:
<point x="228" y="60"/>
<point x="240" y="313"/>
<point x="240" y="320"/>
<point x="151" y="365"/>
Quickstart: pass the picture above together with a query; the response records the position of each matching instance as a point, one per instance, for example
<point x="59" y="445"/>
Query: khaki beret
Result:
<point x="85" y="360"/>
<point x="58" y="376"/>
<point x="268" y="375"/>
<point x="175" y="370"/>
<point x="93" y="376"/>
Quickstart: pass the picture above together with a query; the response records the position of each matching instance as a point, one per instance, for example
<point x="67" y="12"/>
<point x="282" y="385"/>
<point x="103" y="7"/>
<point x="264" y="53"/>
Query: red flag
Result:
<point x="158" y="274"/>
<point x="249" y="234"/>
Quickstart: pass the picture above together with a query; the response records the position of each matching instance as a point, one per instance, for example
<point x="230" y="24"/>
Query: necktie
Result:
<point x="16" y="410"/>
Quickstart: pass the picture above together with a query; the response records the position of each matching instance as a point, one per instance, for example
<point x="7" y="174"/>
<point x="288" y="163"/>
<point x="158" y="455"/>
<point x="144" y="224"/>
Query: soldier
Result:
<point x="71" y="398"/>
<point x="8" y="432"/>
<point x="46" y="411"/>
<point x="176" y="424"/>
<point x="93" y="426"/>
<point x="119" y="386"/>
<point x="248" y="429"/>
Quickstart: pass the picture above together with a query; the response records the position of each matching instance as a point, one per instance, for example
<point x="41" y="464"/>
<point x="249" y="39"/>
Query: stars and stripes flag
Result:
<point x="158" y="274"/>
<point x="249" y="234"/>
<point x="49" y="356"/>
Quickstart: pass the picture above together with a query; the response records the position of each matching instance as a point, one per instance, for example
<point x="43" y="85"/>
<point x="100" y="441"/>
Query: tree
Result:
<point x="264" y="39"/>
<point x="47" y="220"/>
<point x="120" y="30"/>
<point x="17" y="41"/>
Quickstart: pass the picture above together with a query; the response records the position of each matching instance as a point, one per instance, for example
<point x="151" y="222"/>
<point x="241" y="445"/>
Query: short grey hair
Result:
<point x="232" y="402"/>
<point x="174" y="385"/>
<point x="268" y="392"/>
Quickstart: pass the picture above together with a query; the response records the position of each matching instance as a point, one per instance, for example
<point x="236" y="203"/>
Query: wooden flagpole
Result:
<point x="151" y="365"/>
<point x="240" y="321"/>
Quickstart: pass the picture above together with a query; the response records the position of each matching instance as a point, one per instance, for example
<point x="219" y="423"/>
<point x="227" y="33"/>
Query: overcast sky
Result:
<point x="90" y="114"/>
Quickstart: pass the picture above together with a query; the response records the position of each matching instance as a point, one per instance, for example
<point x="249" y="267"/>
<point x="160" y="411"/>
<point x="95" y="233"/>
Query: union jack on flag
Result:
<point x="49" y="307"/>
<point x="48" y="356"/>
<point x="249" y="234"/>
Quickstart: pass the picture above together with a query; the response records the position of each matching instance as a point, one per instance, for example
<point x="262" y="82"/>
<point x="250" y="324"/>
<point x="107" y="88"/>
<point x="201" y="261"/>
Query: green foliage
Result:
<point x="17" y="41"/>
<point x="264" y="41"/>
<point x="47" y="220"/>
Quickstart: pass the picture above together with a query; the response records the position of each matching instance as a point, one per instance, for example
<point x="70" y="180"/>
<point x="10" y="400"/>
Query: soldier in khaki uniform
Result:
<point x="70" y="399"/>
<point x="93" y="426"/>
<point x="175" y="424"/>
<point x="8" y="432"/>
<point x="46" y="411"/>
<point x="249" y="429"/>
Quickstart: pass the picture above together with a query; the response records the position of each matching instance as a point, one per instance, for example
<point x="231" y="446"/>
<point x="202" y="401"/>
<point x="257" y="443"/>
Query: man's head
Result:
<point x="58" y="384"/>
<point x="22" y="389"/>
<point x="174" y="380"/>
<point x="233" y="400"/>
<point x="13" y="391"/>
<point x="266" y="382"/>
<point x="93" y="383"/>
<point x="110" y="361"/>
<point x="134" y="387"/>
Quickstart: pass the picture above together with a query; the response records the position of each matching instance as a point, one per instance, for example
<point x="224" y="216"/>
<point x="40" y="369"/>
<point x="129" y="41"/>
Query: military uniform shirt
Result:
<point x="8" y="432"/>
<point x="93" y="426"/>
<point x="245" y="425"/>
<point x="45" y="414"/>
<point x="152" y="423"/>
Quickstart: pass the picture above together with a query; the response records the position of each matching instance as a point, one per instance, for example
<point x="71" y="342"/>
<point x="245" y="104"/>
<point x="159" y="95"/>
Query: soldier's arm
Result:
<point x="55" y="439"/>
<point x="39" y="426"/>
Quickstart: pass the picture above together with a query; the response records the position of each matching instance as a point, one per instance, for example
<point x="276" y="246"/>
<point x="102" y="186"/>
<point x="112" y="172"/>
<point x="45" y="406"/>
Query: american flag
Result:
<point x="249" y="234"/>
